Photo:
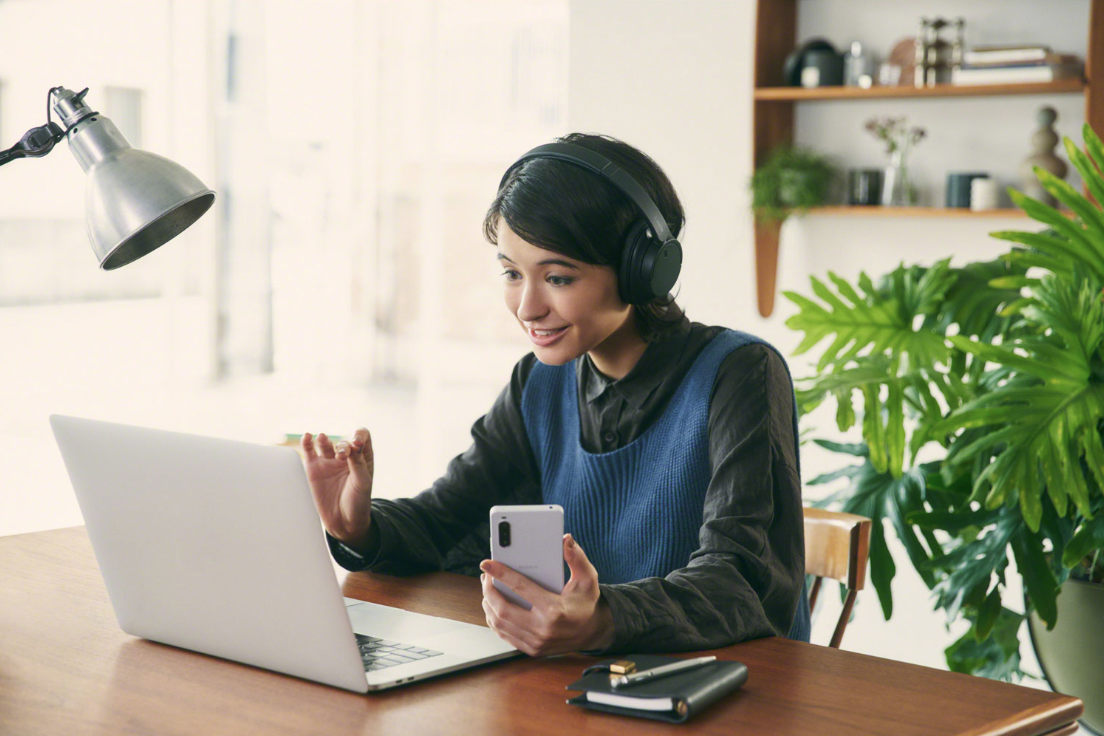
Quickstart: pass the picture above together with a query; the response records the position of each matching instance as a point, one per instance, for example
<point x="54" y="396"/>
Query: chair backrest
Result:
<point x="837" y="546"/>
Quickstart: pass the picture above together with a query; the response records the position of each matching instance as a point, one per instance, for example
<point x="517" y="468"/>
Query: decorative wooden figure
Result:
<point x="1043" y="142"/>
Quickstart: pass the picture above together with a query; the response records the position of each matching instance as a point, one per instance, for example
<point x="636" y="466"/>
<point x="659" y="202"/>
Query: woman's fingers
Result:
<point x="326" y="448"/>
<point x="358" y="450"/>
<point x="509" y="636"/>
<point x="307" y="443"/>
<point x="509" y="632"/>
<point x="362" y="443"/>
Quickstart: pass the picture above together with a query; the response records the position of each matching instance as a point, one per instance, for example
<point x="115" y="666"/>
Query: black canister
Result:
<point x="864" y="186"/>
<point x="822" y="68"/>
<point x="958" y="187"/>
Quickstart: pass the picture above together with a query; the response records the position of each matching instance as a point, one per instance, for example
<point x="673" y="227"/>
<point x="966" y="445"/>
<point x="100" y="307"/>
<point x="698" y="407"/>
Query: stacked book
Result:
<point x="1015" y="65"/>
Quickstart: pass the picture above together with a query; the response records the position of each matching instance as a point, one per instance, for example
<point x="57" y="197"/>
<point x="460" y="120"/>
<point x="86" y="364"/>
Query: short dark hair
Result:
<point x="572" y="211"/>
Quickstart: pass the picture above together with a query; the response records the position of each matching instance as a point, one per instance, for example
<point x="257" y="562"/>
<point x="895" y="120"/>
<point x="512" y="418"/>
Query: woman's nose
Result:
<point x="532" y="306"/>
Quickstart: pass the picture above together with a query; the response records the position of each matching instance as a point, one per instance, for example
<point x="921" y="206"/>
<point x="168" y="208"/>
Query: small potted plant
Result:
<point x="899" y="139"/>
<point x="792" y="179"/>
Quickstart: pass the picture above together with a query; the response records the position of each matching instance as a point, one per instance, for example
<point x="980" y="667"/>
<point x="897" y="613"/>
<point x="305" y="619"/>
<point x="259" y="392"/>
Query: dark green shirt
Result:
<point x="744" y="580"/>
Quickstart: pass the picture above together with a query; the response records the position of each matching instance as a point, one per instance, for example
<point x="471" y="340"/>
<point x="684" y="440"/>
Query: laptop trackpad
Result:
<point x="386" y="622"/>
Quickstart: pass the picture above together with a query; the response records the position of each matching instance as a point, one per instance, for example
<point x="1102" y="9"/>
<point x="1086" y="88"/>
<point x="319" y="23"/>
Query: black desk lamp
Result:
<point x="135" y="201"/>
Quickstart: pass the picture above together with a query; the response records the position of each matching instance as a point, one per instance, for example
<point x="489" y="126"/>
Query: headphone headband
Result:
<point x="602" y="166"/>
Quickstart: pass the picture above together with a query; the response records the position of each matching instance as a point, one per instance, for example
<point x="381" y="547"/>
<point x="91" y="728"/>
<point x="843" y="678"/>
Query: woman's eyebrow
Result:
<point x="547" y="262"/>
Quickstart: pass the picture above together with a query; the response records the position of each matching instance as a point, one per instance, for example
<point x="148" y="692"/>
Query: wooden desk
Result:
<point x="67" y="668"/>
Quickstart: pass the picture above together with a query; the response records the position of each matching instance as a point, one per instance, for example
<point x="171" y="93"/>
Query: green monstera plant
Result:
<point x="982" y="405"/>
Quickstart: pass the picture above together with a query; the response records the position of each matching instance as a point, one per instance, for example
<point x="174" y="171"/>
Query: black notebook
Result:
<point x="674" y="698"/>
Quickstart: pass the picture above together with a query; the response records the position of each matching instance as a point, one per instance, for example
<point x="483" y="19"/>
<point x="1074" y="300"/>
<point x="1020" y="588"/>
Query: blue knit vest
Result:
<point x="637" y="511"/>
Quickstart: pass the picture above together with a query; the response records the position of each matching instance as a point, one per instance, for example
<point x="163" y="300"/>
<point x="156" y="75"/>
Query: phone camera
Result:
<point x="503" y="534"/>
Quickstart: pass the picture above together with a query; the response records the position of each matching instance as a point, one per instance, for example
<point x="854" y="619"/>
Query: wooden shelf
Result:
<point x="773" y="118"/>
<point x="797" y="94"/>
<point x="879" y="211"/>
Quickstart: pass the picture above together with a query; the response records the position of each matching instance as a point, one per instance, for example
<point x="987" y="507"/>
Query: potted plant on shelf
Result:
<point x="994" y="374"/>
<point x="792" y="179"/>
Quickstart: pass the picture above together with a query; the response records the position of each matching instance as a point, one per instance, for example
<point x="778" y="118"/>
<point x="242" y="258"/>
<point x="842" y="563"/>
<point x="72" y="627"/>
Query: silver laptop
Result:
<point x="215" y="546"/>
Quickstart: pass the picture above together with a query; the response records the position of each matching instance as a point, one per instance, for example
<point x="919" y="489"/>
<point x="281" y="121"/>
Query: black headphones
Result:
<point x="651" y="257"/>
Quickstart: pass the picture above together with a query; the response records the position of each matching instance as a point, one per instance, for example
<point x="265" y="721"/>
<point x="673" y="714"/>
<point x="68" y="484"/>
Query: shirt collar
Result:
<point x="654" y="365"/>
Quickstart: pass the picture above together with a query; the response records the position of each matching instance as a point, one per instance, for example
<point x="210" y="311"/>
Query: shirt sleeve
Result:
<point x="744" y="580"/>
<point x="440" y="528"/>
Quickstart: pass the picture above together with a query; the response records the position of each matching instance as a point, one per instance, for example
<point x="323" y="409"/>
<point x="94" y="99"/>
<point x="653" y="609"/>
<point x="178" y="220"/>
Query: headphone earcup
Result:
<point x="648" y="268"/>
<point x="663" y="271"/>
<point x="631" y="283"/>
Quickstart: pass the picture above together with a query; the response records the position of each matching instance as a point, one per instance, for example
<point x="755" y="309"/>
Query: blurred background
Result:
<point x="341" y="278"/>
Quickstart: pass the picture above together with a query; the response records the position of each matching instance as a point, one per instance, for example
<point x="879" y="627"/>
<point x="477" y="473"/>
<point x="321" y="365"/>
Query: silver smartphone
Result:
<point x="529" y="539"/>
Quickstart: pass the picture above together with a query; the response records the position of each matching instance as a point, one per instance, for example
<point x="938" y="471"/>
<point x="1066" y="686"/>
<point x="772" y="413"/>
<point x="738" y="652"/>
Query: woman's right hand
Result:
<point x="341" y="482"/>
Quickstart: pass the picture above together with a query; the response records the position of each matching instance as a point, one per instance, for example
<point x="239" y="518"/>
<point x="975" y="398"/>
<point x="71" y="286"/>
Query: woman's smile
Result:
<point x="545" y="338"/>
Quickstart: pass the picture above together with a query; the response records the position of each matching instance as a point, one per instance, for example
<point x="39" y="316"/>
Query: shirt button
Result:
<point x="609" y="437"/>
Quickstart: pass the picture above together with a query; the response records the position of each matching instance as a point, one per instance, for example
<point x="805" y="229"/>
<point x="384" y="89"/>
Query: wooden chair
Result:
<point x="837" y="546"/>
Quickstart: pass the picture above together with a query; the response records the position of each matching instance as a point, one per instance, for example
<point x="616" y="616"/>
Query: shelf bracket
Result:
<point x="767" y="233"/>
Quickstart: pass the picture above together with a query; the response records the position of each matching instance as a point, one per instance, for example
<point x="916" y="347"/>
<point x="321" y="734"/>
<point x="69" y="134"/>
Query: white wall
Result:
<point x="675" y="79"/>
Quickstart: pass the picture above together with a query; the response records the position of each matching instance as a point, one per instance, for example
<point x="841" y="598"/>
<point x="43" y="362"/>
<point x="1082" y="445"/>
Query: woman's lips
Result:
<point x="545" y="340"/>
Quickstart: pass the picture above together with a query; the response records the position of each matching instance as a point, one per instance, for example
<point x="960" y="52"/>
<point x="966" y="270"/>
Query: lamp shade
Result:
<point x="135" y="201"/>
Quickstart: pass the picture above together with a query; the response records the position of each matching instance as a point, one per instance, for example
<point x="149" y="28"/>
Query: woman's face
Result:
<point x="579" y="301"/>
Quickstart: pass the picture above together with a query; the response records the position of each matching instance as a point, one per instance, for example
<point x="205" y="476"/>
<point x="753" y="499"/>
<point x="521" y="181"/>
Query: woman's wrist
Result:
<point x="604" y="632"/>
<point x="366" y="545"/>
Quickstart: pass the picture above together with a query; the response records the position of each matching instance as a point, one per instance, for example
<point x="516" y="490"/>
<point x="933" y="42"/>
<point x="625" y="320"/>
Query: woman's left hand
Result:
<point x="574" y="620"/>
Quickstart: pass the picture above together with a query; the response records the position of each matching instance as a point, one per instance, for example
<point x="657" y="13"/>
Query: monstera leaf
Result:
<point x="1089" y="539"/>
<point x="996" y="657"/>
<point x="1048" y="422"/>
<point x="876" y="350"/>
<point x="888" y="346"/>
<point x="879" y="322"/>
<point x="971" y="565"/>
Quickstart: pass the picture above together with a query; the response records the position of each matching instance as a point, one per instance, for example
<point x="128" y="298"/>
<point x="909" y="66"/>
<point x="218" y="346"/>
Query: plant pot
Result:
<point x="1072" y="653"/>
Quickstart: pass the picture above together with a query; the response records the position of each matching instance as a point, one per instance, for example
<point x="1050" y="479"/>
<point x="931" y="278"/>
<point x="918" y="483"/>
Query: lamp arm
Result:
<point x="39" y="141"/>
<point x="35" y="142"/>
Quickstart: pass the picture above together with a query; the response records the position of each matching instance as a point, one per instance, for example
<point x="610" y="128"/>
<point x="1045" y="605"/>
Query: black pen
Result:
<point x="662" y="671"/>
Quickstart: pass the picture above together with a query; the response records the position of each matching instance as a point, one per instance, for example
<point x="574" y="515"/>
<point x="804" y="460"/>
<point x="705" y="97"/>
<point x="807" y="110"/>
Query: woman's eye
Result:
<point x="512" y="275"/>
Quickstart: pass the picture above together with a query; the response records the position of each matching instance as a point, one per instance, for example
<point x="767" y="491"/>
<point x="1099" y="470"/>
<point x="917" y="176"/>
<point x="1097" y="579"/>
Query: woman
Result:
<point x="671" y="445"/>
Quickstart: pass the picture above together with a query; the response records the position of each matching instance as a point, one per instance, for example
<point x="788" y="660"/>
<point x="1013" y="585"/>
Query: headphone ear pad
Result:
<point x="631" y="284"/>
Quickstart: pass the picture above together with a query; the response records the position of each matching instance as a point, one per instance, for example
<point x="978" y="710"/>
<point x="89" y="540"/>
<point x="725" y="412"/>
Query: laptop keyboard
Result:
<point x="380" y="654"/>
